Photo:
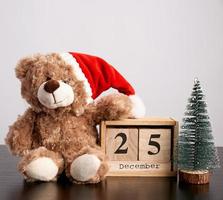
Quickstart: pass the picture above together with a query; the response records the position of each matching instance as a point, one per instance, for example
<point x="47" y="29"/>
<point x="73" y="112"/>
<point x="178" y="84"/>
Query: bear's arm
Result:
<point x="112" y="107"/>
<point x="19" y="137"/>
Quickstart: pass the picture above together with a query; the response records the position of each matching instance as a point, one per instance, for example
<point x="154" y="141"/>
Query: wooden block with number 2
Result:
<point x="122" y="143"/>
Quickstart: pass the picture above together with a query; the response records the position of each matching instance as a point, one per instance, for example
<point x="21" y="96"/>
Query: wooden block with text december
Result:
<point x="140" y="147"/>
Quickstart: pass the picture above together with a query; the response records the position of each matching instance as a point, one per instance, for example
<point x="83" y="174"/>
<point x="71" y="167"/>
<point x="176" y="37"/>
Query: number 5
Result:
<point x="154" y="143"/>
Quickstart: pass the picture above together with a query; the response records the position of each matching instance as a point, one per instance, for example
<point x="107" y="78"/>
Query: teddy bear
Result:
<point x="58" y="133"/>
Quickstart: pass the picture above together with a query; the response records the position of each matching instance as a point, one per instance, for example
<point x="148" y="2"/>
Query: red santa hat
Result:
<point x="98" y="76"/>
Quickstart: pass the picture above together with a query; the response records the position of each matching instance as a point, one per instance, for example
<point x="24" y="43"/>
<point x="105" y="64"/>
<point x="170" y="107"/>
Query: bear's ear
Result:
<point x="23" y="66"/>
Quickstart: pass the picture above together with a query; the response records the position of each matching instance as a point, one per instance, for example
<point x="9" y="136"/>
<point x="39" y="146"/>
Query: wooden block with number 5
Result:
<point x="140" y="147"/>
<point x="155" y="146"/>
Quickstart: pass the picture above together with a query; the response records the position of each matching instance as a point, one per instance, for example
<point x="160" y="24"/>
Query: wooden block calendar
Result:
<point x="140" y="147"/>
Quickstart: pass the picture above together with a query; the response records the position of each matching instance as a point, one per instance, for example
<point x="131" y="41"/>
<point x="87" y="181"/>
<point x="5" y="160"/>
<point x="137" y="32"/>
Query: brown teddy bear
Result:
<point x="58" y="132"/>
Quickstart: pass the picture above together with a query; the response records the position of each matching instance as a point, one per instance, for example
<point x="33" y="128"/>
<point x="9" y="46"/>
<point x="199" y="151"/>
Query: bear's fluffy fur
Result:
<point x="64" y="133"/>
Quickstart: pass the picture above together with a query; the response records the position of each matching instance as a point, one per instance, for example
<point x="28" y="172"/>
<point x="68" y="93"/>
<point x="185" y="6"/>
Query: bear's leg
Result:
<point x="41" y="164"/>
<point x="89" y="165"/>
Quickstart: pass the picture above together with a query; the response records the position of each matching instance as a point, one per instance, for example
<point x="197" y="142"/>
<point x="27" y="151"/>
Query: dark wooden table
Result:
<point x="12" y="186"/>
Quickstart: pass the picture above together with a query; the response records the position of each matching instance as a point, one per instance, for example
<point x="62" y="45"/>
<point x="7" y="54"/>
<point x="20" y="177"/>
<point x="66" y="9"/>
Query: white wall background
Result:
<point x="158" y="45"/>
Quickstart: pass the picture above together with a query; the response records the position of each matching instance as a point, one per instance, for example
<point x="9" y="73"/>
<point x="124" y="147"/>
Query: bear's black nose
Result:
<point x="51" y="85"/>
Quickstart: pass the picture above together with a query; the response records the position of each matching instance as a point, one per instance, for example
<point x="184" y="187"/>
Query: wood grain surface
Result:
<point x="13" y="187"/>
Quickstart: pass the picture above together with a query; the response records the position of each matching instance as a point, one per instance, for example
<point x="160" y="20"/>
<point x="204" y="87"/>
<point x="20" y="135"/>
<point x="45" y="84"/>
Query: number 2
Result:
<point x="124" y="139"/>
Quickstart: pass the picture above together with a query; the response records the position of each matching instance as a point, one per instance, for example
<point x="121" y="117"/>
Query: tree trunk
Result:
<point x="194" y="177"/>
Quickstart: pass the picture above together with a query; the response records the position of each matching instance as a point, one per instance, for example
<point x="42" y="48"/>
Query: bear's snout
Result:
<point x="55" y="93"/>
<point x="51" y="85"/>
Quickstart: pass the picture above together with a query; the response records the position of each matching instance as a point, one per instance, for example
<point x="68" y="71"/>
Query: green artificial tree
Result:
<point x="196" y="150"/>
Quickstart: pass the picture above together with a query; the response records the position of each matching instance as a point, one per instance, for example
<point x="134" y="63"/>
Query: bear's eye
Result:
<point x="67" y="81"/>
<point x="48" y="78"/>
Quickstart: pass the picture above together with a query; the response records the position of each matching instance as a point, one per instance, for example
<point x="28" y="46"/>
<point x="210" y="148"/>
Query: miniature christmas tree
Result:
<point x="196" y="150"/>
